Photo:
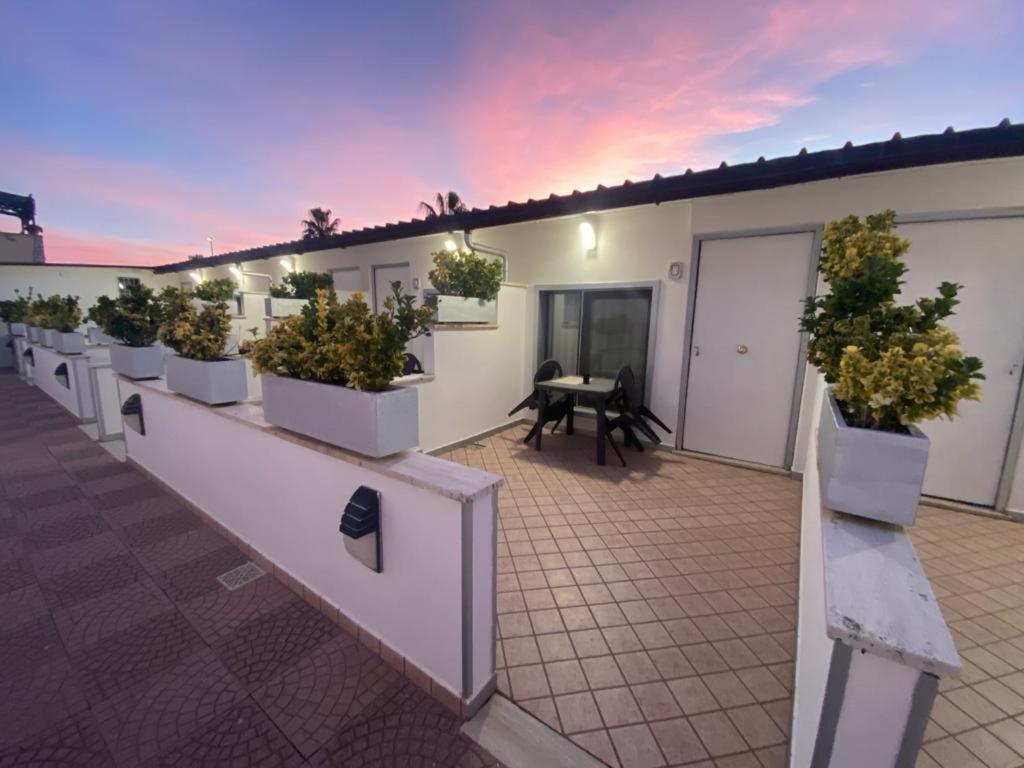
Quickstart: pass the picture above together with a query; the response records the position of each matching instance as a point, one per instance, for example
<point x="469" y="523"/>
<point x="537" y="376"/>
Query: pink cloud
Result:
<point x="64" y="247"/>
<point x="597" y="98"/>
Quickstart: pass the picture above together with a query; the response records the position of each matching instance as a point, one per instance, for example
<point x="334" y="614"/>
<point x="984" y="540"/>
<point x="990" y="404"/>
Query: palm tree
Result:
<point x="319" y="224"/>
<point x="444" y="205"/>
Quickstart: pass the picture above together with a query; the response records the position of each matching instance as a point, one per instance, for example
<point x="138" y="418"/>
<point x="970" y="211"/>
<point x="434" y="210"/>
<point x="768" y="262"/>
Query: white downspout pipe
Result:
<point x="467" y="236"/>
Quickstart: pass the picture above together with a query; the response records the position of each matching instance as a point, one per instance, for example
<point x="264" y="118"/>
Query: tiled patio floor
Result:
<point x="976" y="567"/>
<point x="648" y="612"/>
<point x="119" y="647"/>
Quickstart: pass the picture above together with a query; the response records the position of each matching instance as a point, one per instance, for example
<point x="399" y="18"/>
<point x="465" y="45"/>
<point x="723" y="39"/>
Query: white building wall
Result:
<point x="639" y="243"/>
<point x="85" y="281"/>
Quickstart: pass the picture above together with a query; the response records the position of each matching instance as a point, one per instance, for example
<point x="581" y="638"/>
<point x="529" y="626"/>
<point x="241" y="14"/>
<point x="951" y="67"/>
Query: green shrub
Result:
<point x="133" y="318"/>
<point x="302" y="285"/>
<point x="345" y="344"/>
<point x="65" y="314"/>
<point x="889" y="365"/>
<point x="463" y="273"/>
<point x="15" y="310"/>
<point x="221" y="289"/>
<point x="39" y="311"/>
<point x="198" y="334"/>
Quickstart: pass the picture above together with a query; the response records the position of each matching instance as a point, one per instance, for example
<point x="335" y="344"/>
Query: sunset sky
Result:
<point x="143" y="128"/>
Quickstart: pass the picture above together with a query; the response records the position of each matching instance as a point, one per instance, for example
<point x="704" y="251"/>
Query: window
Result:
<point x="597" y="330"/>
<point x="124" y="283"/>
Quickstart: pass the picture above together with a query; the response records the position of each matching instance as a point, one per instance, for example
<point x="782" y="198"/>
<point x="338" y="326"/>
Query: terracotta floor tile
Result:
<point x="578" y="712"/>
<point x="566" y="677"/>
<point x="718" y="734"/>
<point x="617" y="706"/>
<point x="599" y="744"/>
<point x="528" y="682"/>
<point x="990" y="750"/>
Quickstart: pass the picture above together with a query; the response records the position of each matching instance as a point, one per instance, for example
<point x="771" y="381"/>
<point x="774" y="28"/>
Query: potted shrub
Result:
<point x="222" y="289"/>
<point x="38" y="319"/>
<point x="200" y="370"/>
<point x="15" y="311"/>
<point x="66" y="317"/>
<point x="467" y="287"/>
<point x="294" y="293"/>
<point x="888" y="367"/>
<point x="101" y="313"/>
<point x="327" y="372"/>
<point x="132" y="324"/>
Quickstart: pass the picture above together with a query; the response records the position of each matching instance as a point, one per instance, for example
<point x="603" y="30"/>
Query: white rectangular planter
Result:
<point x="35" y="334"/>
<point x="459" y="309"/>
<point x="214" y="382"/>
<point x="865" y="472"/>
<point x="97" y="336"/>
<point x="47" y="337"/>
<point x="283" y="307"/>
<point x="18" y="329"/>
<point x="137" y="362"/>
<point x="371" y="423"/>
<point x="71" y="343"/>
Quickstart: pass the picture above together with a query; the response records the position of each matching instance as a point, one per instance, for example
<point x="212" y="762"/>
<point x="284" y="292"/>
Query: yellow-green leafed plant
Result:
<point x="344" y="344"/>
<point x="463" y="273"/>
<point x="198" y="334"/>
<point x="65" y="314"/>
<point x="889" y="365"/>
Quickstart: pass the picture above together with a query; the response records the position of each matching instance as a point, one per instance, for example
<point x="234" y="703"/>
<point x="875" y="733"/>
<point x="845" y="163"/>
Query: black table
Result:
<point x="596" y="392"/>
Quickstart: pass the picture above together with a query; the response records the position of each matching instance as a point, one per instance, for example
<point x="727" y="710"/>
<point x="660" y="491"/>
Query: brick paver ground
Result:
<point x="976" y="568"/>
<point x="646" y="612"/>
<point x="119" y="647"/>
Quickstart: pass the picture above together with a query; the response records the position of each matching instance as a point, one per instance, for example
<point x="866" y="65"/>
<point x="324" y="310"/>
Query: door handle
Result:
<point x="696" y="350"/>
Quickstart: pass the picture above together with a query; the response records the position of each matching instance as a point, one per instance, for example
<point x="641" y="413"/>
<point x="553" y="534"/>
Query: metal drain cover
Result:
<point x="240" y="576"/>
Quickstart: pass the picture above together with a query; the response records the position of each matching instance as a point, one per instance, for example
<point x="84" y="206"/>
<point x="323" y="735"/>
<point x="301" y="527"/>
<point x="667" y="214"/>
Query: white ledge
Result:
<point x="446" y="478"/>
<point x="877" y="597"/>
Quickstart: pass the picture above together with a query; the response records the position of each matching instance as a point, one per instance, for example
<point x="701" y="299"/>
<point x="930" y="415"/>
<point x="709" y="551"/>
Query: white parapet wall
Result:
<point x="871" y="640"/>
<point x="69" y="385"/>
<point x="283" y="495"/>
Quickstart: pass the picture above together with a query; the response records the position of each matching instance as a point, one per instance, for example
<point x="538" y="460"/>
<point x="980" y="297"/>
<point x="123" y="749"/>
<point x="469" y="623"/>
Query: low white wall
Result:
<point x="871" y="641"/>
<point x="478" y="376"/>
<point x="76" y="398"/>
<point x="285" y="495"/>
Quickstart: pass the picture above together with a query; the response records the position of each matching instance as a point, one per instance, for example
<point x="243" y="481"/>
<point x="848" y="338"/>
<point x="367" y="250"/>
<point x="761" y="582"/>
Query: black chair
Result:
<point x="633" y="414"/>
<point x="554" y="410"/>
<point x="411" y="365"/>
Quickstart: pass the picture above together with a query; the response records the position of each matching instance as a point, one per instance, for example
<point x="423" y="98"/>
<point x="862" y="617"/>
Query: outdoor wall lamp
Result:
<point x="131" y="412"/>
<point x="588" y="237"/>
<point x="196" y="276"/>
<point x="360" y="525"/>
<point x="286" y="264"/>
<point x="236" y="271"/>
<point x="60" y="373"/>
<point x="450" y="246"/>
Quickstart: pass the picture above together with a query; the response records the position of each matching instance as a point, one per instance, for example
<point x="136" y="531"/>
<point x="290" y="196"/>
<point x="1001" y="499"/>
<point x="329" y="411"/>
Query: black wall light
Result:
<point x="131" y="411"/>
<point x="29" y="356"/>
<point x="60" y="373"/>
<point x="360" y="525"/>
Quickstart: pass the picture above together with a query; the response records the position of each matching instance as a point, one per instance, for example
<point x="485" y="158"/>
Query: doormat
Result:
<point x="240" y="576"/>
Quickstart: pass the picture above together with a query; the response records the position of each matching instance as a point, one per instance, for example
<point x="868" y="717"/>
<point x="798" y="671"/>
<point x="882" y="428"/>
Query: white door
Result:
<point x="987" y="256"/>
<point x="384" y="276"/>
<point x="746" y="350"/>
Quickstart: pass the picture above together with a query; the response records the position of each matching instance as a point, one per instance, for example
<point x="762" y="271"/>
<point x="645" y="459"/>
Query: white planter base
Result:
<point x="283" y="307"/>
<point x="871" y="474"/>
<point x="72" y="343"/>
<point x="47" y="337"/>
<point x="214" y="382"/>
<point x="459" y="309"/>
<point x="35" y="334"/>
<point x="137" y="362"/>
<point x="371" y="423"/>
<point x="18" y="329"/>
